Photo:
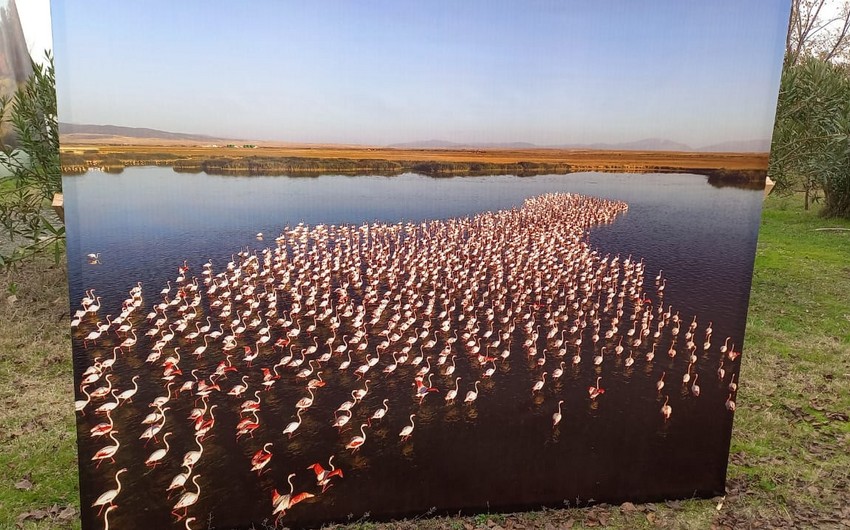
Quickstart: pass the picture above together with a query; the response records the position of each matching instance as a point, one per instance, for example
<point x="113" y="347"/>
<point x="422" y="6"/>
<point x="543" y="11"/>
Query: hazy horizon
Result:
<point x="382" y="73"/>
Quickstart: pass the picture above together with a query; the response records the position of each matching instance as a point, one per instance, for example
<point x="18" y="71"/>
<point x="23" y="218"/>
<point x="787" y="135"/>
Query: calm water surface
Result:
<point x="500" y="454"/>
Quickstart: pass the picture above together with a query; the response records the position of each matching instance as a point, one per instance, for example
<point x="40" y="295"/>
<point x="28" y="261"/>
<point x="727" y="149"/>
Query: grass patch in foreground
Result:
<point x="791" y="442"/>
<point x="38" y="461"/>
<point x="790" y="445"/>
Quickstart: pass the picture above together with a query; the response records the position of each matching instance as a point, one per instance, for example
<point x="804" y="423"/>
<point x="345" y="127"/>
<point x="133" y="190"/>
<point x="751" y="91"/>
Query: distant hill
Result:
<point x="647" y="144"/>
<point x="111" y="131"/>
<point x="748" y="146"/>
<point x="442" y="144"/>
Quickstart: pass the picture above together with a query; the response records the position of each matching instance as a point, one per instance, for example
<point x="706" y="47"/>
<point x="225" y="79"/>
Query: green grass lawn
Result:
<point x="790" y="456"/>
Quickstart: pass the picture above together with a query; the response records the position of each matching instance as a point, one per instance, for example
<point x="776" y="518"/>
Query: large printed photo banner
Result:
<point x="341" y="261"/>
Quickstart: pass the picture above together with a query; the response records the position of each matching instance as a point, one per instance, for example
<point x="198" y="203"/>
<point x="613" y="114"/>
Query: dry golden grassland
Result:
<point x="581" y="158"/>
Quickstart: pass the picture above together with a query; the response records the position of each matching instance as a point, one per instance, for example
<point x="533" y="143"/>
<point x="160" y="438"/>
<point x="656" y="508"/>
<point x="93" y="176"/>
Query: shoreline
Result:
<point x="747" y="169"/>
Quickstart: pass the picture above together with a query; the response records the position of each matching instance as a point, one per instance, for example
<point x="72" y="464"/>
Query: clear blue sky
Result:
<point x="378" y="72"/>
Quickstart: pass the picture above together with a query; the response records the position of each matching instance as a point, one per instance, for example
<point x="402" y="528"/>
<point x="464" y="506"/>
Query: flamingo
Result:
<point x="390" y="368"/>
<point x="162" y="400"/>
<point x="407" y="431"/>
<point x="422" y="389"/>
<point x="316" y="383"/>
<point x="201" y="349"/>
<point x="666" y="409"/>
<point x="281" y="503"/>
<point x="694" y="386"/>
<point x="151" y="432"/>
<point x="187" y="499"/>
<point x="321" y="472"/>
<point x="107" y="451"/>
<point x="341" y="420"/>
<point x="556" y="417"/>
<point x="538" y="386"/>
<point x="128" y="394"/>
<point x="191" y="457"/>
<point x="490" y="371"/>
<point x="452" y="393"/>
<point x="345" y="364"/>
<point x="102" y="429"/>
<point x="360" y="393"/>
<point x="128" y="342"/>
<point x="250" y="354"/>
<point x="733" y="386"/>
<point x="94" y="306"/>
<point x="597" y="360"/>
<point x="305" y="372"/>
<point x="109" y="406"/>
<point x="159" y="454"/>
<point x="247" y="425"/>
<point x="106" y="516"/>
<point x="106" y="498"/>
<point x="103" y="390"/>
<point x="91" y="337"/>
<point x="451" y="369"/>
<point x="292" y="427"/>
<point x="179" y="480"/>
<point x="357" y="442"/>
<point x="380" y="413"/>
<point x="559" y="371"/>
<point x="660" y="383"/>
<point x="732" y="354"/>
<point x="108" y="363"/>
<point x="472" y="395"/>
<point x="203" y="427"/>
<point x="261" y="459"/>
<point x="595" y="391"/>
<point x="730" y="403"/>
<point x="305" y="402"/>
<point x="324" y="476"/>
<point x="251" y="404"/>
<point x="80" y="404"/>
<point x="238" y="390"/>
<point x="155" y="417"/>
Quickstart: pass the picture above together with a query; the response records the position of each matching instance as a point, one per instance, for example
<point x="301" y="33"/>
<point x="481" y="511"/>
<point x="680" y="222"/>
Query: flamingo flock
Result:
<point x="360" y="309"/>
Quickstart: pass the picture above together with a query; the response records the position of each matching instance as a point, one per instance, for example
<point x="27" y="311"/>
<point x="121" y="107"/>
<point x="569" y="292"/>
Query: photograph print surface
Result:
<point x="337" y="262"/>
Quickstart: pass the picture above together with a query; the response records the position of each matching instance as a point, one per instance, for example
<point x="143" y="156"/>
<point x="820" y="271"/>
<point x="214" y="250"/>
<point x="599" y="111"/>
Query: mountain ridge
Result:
<point x="92" y="132"/>
<point x="130" y="132"/>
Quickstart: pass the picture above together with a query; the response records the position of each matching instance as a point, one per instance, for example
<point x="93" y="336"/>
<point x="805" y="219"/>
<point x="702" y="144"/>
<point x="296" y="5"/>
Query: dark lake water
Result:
<point x="501" y="453"/>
